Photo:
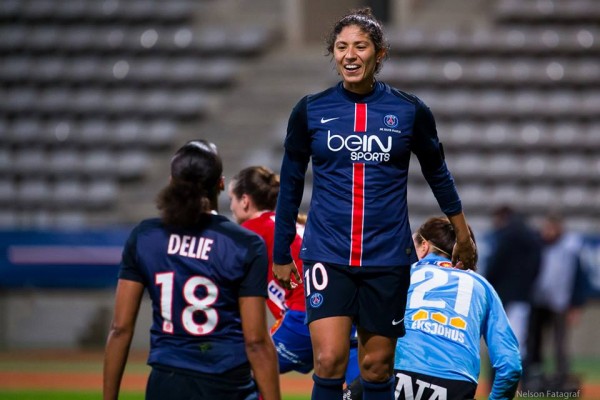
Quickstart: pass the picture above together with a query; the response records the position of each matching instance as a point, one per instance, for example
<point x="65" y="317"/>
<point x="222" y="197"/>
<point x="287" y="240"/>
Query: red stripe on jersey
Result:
<point x="358" y="214"/>
<point x="360" y="117"/>
<point x="358" y="192"/>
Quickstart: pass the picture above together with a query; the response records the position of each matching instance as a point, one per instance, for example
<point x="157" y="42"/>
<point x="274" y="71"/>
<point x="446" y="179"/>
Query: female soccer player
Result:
<point x="253" y="196"/>
<point x="448" y="311"/>
<point x="357" y="246"/>
<point x="206" y="278"/>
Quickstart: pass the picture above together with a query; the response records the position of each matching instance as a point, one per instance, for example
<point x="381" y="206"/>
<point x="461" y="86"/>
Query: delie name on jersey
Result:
<point x="190" y="246"/>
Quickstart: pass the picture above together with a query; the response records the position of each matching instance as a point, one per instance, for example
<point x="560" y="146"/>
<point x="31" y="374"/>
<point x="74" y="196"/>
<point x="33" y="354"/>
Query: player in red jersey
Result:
<point x="253" y="194"/>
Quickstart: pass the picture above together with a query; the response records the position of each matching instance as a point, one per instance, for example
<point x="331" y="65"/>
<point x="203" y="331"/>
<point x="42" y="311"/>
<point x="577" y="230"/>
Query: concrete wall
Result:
<point x="80" y="319"/>
<point x="37" y="319"/>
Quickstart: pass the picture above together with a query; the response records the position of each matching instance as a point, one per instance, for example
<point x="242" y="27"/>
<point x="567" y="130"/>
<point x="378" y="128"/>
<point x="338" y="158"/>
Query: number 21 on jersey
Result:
<point x="426" y="280"/>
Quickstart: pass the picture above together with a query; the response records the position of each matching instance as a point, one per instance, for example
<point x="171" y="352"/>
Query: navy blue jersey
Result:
<point x="360" y="148"/>
<point x="195" y="280"/>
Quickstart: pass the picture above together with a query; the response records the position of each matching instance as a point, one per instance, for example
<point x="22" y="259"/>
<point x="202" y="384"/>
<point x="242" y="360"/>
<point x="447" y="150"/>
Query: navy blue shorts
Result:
<point x="374" y="297"/>
<point x="177" y="384"/>
<point x="408" y="384"/>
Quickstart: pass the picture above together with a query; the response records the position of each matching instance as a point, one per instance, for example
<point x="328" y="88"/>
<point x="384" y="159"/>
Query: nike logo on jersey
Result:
<point x="326" y="120"/>
<point x="394" y="322"/>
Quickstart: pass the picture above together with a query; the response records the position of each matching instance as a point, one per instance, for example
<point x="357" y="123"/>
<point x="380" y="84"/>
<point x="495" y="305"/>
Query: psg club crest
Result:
<point x="316" y="299"/>
<point x="390" y="120"/>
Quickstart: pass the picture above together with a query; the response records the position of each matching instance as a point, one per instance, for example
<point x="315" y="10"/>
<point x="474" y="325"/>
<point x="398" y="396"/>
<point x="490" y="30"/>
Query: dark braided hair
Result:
<point x="363" y="18"/>
<point x="196" y="171"/>
<point x="258" y="182"/>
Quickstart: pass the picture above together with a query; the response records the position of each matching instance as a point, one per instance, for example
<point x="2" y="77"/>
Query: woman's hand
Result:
<point x="283" y="274"/>
<point x="464" y="254"/>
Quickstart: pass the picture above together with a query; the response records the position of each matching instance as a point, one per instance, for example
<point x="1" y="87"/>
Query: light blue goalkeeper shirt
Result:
<point x="447" y="312"/>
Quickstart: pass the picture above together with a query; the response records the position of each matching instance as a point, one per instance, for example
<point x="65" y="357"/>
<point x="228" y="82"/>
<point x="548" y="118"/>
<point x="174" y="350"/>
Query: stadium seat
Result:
<point x="132" y="164"/>
<point x="574" y="167"/>
<point x="33" y="193"/>
<point x="474" y="196"/>
<point x="69" y="219"/>
<point x="535" y="167"/>
<point x="68" y="194"/>
<point x="100" y="163"/>
<point x="505" y="193"/>
<point x="24" y="131"/>
<point x="509" y="40"/>
<point x="101" y="194"/>
<point x="64" y="162"/>
<point x="539" y="197"/>
<point x="562" y="135"/>
<point x="504" y="165"/>
<point x="8" y="193"/>
<point x="30" y="161"/>
<point x="577" y="199"/>
<point x="94" y="131"/>
<point x="6" y="161"/>
<point x="548" y="11"/>
<point x="160" y="133"/>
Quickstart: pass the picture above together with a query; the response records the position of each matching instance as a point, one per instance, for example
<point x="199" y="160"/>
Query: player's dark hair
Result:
<point x="196" y="171"/>
<point x="439" y="232"/>
<point x="258" y="182"/>
<point x="363" y="18"/>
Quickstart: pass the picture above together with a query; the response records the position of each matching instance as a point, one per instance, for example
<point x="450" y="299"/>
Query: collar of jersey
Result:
<point x="431" y="259"/>
<point x="377" y="92"/>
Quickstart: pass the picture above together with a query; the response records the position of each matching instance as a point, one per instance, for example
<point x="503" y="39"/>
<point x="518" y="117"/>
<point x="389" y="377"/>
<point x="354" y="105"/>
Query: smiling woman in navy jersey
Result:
<point x="207" y="279"/>
<point x="357" y="245"/>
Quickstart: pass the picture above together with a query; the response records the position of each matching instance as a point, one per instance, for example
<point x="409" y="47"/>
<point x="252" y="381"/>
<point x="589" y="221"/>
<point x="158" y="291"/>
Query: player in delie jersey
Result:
<point x="207" y="279"/>
<point x="357" y="246"/>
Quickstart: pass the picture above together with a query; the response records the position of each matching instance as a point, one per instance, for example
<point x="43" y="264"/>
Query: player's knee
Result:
<point x="330" y="364"/>
<point x="376" y="368"/>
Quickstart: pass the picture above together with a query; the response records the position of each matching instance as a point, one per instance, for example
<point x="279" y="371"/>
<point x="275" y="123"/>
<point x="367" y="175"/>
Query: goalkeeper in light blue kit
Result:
<point x="448" y="311"/>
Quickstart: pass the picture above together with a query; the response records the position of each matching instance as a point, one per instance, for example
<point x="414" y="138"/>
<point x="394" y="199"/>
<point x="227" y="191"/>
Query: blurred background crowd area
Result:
<point x="96" y="94"/>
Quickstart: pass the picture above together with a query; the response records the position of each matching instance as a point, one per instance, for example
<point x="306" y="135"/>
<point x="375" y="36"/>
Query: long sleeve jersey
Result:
<point x="447" y="312"/>
<point x="360" y="148"/>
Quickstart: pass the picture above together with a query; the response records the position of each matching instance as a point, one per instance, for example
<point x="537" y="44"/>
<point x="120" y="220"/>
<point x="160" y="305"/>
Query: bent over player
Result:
<point x="448" y="310"/>
<point x="207" y="279"/>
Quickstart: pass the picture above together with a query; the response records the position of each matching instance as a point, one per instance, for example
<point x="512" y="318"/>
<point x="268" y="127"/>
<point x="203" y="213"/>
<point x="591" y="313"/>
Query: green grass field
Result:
<point x="587" y="368"/>
<point x="46" y="395"/>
